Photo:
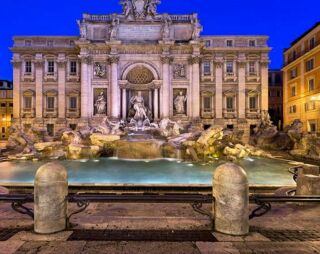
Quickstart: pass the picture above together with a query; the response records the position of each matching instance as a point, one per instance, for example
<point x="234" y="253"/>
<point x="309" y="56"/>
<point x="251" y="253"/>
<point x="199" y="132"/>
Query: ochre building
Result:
<point x="301" y="96"/>
<point x="6" y="108"/>
<point x="73" y="81"/>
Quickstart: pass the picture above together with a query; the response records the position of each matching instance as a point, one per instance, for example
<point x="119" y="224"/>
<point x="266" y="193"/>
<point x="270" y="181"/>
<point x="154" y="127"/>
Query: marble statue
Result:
<point x="114" y="28"/>
<point x="196" y="29"/>
<point x="138" y="105"/>
<point x="179" y="103"/>
<point x="127" y="8"/>
<point x="99" y="70"/>
<point x="101" y="104"/>
<point x="83" y="29"/>
<point x="166" y="28"/>
<point x="152" y="7"/>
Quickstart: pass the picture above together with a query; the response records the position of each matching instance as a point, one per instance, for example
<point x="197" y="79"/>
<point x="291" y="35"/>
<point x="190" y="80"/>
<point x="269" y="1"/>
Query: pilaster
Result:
<point x="115" y="90"/>
<point x="264" y="86"/>
<point x="166" y="103"/>
<point x="39" y="86"/>
<point x="16" y="87"/>
<point x="218" y="88"/>
<point x="195" y="62"/>
<point x="242" y="90"/>
<point x="85" y="60"/>
<point x="61" y="86"/>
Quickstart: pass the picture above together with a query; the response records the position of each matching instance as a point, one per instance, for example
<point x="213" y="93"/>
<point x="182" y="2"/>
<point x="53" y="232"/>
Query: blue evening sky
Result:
<point x="282" y="20"/>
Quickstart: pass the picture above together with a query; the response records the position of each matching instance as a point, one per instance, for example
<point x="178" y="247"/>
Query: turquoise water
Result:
<point x="113" y="171"/>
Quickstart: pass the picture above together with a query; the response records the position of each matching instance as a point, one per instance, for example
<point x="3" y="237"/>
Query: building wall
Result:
<point x="6" y="108"/>
<point x="276" y="98"/>
<point x="304" y="102"/>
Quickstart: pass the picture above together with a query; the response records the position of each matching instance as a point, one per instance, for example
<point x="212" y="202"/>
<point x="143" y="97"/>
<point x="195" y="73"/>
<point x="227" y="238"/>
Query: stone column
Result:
<point x="85" y="59"/>
<point x="242" y="91"/>
<point x="166" y="103"/>
<point x="264" y="86"/>
<point x="16" y="88"/>
<point x="39" y="86"/>
<point x="195" y="61"/>
<point x="219" y="78"/>
<point x="124" y="104"/>
<point x="62" y="86"/>
<point x="156" y="103"/>
<point x="115" y="90"/>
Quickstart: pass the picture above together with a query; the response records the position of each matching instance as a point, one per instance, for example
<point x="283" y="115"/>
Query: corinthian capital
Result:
<point x="16" y="62"/>
<point x="113" y="59"/>
<point x="166" y="59"/>
<point x="194" y="60"/>
<point x="85" y="59"/>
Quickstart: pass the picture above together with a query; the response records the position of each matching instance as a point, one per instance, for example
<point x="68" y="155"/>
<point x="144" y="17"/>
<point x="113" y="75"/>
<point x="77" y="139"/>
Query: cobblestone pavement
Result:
<point x="172" y="228"/>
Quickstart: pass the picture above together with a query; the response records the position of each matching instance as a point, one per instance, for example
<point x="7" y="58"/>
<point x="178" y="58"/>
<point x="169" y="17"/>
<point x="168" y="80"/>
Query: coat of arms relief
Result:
<point x="140" y="9"/>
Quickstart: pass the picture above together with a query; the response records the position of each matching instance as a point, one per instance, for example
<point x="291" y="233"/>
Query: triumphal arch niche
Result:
<point x="133" y="59"/>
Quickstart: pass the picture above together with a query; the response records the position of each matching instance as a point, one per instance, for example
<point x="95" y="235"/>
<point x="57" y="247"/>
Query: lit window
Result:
<point x="206" y="68"/>
<point x="229" y="43"/>
<point x="292" y="109"/>
<point x="311" y="84"/>
<point x="310" y="65"/>
<point x="293" y="91"/>
<point x="312" y="126"/>
<point x="293" y="73"/>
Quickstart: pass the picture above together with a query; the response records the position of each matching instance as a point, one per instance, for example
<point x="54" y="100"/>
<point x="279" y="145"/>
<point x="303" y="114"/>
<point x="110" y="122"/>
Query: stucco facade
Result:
<point x="59" y="80"/>
<point x="6" y="108"/>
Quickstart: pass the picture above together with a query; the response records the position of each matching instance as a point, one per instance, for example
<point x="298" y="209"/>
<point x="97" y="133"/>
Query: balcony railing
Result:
<point x="292" y="58"/>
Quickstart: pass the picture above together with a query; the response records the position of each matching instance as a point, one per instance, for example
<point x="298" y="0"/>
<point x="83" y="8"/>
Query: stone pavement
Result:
<point x="288" y="228"/>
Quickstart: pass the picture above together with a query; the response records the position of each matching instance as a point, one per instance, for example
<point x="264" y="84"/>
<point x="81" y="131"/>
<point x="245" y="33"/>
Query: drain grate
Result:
<point x="142" y="235"/>
<point x="7" y="233"/>
<point x="290" y="235"/>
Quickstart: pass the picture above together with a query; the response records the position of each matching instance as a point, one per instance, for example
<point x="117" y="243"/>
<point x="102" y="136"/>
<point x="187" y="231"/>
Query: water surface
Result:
<point x="260" y="171"/>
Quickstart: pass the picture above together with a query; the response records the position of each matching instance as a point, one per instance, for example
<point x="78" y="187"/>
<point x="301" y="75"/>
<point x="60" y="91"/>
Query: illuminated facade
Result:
<point x="6" y="108"/>
<point x="302" y="81"/>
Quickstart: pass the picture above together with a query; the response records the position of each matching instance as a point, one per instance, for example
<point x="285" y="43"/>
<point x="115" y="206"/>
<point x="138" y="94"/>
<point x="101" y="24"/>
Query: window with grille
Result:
<point x="73" y="68"/>
<point x="229" y="43"/>
<point x="252" y="43"/>
<point x="252" y="68"/>
<point x="207" y="104"/>
<point x="230" y="104"/>
<point x="73" y="103"/>
<point x="50" y="67"/>
<point x="28" y="67"/>
<point x="252" y="103"/>
<point x="50" y="103"/>
<point x="229" y="67"/>
<point x="27" y="102"/>
<point x="310" y="65"/>
<point x="206" y="68"/>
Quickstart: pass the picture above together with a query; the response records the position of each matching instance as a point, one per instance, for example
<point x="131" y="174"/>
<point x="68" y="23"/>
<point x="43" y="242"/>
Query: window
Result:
<point x="293" y="91"/>
<point x="206" y="68"/>
<point x="229" y="43"/>
<point x="73" y="68"/>
<point x="292" y="109"/>
<point x="50" y="67"/>
<point x="50" y="43"/>
<point x="311" y="84"/>
<point x="3" y="130"/>
<point x="230" y="127"/>
<point x="312" y="126"/>
<point x="27" y="43"/>
<point x="3" y="105"/>
<point x="72" y="43"/>
<point x="278" y="93"/>
<point x="294" y="54"/>
<point x="73" y="127"/>
<point x="207" y="107"/>
<point x="252" y="68"/>
<point x="11" y="105"/>
<point x="28" y="67"/>
<point x="310" y="65"/>
<point x="252" y="43"/>
<point x="50" y="103"/>
<point x="229" y="67"/>
<point x="73" y="102"/>
<point x="252" y="103"/>
<point x="3" y="94"/>
<point x="312" y="43"/>
<point x="27" y="102"/>
<point x="230" y="104"/>
<point x="207" y="43"/>
<point x="293" y="73"/>
<point x="310" y="106"/>
<point x="50" y="129"/>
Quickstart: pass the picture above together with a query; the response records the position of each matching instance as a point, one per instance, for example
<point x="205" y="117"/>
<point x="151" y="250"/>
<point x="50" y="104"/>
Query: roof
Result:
<point x="303" y="35"/>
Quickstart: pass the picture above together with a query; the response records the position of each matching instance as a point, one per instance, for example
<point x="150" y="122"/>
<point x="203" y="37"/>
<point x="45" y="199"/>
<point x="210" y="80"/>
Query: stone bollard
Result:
<point x="50" y="204"/>
<point x="231" y="206"/>
<point x="308" y="181"/>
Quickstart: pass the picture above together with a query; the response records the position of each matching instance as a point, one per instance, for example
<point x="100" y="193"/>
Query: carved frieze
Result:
<point x="100" y="70"/>
<point x="179" y="71"/>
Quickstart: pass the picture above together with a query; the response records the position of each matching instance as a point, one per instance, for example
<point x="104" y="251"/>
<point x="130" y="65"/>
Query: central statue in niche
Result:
<point x="141" y="116"/>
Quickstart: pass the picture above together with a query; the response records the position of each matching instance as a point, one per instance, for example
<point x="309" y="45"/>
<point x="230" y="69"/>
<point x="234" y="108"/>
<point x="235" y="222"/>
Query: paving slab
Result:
<point x="251" y="237"/>
<point x="30" y="236"/>
<point x="10" y="246"/>
<point x="216" y="248"/>
<point x="54" y="247"/>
